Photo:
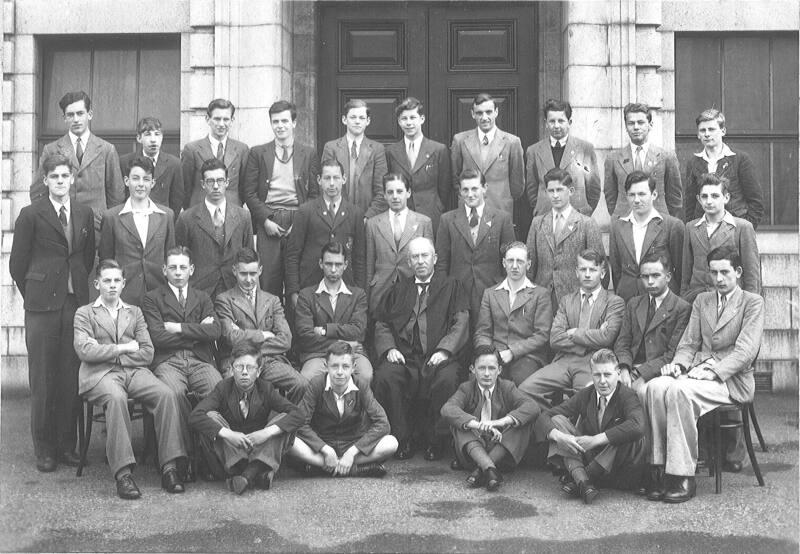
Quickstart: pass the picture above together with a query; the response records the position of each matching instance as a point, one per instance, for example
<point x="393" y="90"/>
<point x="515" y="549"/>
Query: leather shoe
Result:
<point x="71" y="459"/>
<point x="46" y="464"/>
<point x="127" y="489"/>
<point x="682" y="489"/>
<point x="571" y="488"/>
<point x="493" y="479"/>
<point x="475" y="479"/>
<point x="433" y="453"/>
<point x="657" y="486"/>
<point x="171" y="482"/>
<point x="732" y="467"/>
<point x="238" y="484"/>
<point x="373" y="469"/>
<point x="588" y="491"/>
<point x="455" y="465"/>
<point x="405" y="451"/>
<point x="263" y="480"/>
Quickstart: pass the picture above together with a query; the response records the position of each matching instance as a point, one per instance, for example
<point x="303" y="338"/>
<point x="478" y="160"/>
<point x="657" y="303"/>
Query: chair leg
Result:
<point x="85" y="419"/>
<point x="717" y="452"/>
<point x="752" y="410"/>
<point x="748" y="440"/>
<point x="150" y="445"/>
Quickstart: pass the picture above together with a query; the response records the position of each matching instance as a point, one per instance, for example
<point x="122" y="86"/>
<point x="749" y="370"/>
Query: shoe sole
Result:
<point x="677" y="500"/>
<point x="590" y="496"/>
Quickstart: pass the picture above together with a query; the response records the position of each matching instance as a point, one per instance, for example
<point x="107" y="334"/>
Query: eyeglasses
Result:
<point x="210" y="182"/>
<point x="243" y="367"/>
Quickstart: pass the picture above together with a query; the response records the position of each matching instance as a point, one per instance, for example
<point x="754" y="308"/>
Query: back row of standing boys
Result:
<point x="347" y="269"/>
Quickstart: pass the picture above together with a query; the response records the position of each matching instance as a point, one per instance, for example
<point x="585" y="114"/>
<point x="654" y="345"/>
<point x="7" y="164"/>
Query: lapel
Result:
<point x="641" y="313"/>
<point x="322" y="211"/>
<point x="495" y="149"/>
<point x="192" y="299"/>
<point x="662" y="312"/>
<point x="610" y="408"/>
<point x="571" y="226"/>
<point x="298" y="161"/>
<point x="91" y="151"/>
<point x="104" y="320"/>
<point x="654" y="229"/>
<point x="256" y="402"/>
<point x="652" y="158"/>
<point x="412" y="224"/>
<point x="124" y="319"/>
<point x="546" y="229"/>
<point x="522" y="298"/>
<point x="398" y="151"/>
<point x="598" y="309"/>
<point x="574" y="307"/>
<point x="205" y="149"/>
<point x="204" y="221"/>
<point x="627" y="239"/>
<point x="241" y="302"/>
<point x="733" y="306"/>
<point x="462" y="225"/>
<point x="154" y="223"/>
<point x="501" y="297"/>
<point x="65" y="149"/>
<point x="269" y="158"/>
<point x="424" y="154"/>
<point x="324" y="302"/>
<point x="471" y="144"/>
<point x="343" y="156"/>
<point x="261" y="305"/>
<point x="723" y="235"/>
<point x="341" y="215"/>
<point x="364" y="154"/>
<point x="569" y="152"/>
<point x="625" y="159"/>
<point x="485" y="225"/>
<point x="330" y="403"/>
<point x="161" y="166"/>
<point x="545" y="153"/>
<point x="383" y="222"/>
<point x="170" y="300"/>
<point x="231" y="153"/>
<point x="231" y="221"/>
<point x="233" y="402"/>
<point x="342" y="303"/>
<point x="49" y="215"/>
<point x="126" y="220"/>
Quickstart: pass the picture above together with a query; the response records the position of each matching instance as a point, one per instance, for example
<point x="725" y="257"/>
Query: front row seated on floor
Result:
<point x="490" y="420"/>
<point x="597" y="435"/>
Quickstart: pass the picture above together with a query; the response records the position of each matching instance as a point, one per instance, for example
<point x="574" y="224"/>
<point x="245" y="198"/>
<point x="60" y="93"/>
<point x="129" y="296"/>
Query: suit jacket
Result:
<point x="661" y="164"/>
<point x="523" y="328"/>
<point x="445" y="311"/>
<point x="746" y="195"/>
<point x="97" y="336"/>
<point x="98" y="181"/>
<point x="695" y="274"/>
<point x="660" y="337"/>
<point x="387" y="260"/>
<point x="348" y="322"/>
<point x="367" y="190"/>
<point x="504" y="169"/>
<point x="312" y="229"/>
<point x="258" y="177"/>
<point x="429" y="178"/>
<point x="41" y="258"/>
<point x="363" y="422"/>
<point x="213" y="259"/>
<point x="477" y="265"/>
<point x="604" y="325"/>
<point x="665" y="235"/>
<point x="168" y="176"/>
<point x="579" y="160"/>
<point x="119" y="239"/>
<point x="623" y="421"/>
<point x="553" y="261"/>
<point x="733" y="340"/>
<point x="241" y="322"/>
<point x="224" y="400"/>
<point x="161" y="305"/>
<point x="192" y="158"/>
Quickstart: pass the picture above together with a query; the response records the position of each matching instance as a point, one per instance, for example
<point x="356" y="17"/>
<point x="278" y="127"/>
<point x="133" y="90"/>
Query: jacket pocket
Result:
<point x="32" y="276"/>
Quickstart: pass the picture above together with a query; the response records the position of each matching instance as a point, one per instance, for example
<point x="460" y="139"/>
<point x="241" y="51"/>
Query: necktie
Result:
<point x="641" y="353"/>
<point x="637" y="163"/>
<point x="332" y="212"/>
<point x="181" y="298"/>
<point x="251" y="297"/>
<point x="559" y="225"/>
<point x="220" y="152"/>
<point x="423" y="294"/>
<point x="243" y="406"/>
<point x="486" y="409"/>
<point x="723" y="301"/>
<point x="586" y="310"/>
<point x="558" y="152"/>
<point x="351" y="178"/>
<point x="473" y="218"/>
<point x="412" y="155"/>
<point x="398" y="229"/>
<point x="285" y="154"/>
<point x="218" y="221"/>
<point x="62" y="216"/>
<point x="601" y="410"/>
<point x="485" y="140"/>
<point x="651" y="310"/>
<point x="79" y="150"/>
<point x="353" y="151"/>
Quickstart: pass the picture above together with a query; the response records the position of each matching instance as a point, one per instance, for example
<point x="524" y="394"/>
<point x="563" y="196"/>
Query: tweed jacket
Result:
<point x="367" y="190"/>
<point x="197" y="152"/>
<point x="168" y="176"/>
<point x="348" y="322"/>
<point x="604" y="325"/>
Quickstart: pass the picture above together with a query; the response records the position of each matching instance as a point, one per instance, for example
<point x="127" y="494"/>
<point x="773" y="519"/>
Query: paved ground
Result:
<point x="418" y="507"/>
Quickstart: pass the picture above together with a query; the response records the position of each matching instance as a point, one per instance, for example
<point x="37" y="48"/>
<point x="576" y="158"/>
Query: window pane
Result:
<point x="784" y="83"/>
<point x="759" y="153"/>
<point x="160" y="82"/>
<point x="114" y="90"/>
<point x="64" y="70"/>
<point x="784" y="160"/>
<point x="697" y="79"/>
<point x="746" y="86"/>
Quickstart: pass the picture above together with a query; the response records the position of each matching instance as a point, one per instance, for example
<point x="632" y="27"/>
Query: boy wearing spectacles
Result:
<point x="216" y="229"/>
<point x="138" y="233"/>
<point x="238" y="438"/>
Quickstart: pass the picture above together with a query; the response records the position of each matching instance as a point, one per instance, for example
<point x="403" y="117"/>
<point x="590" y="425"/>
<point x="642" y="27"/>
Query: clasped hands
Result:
<point x="173" y="327"/>
<point x="492" y="427"/>
<point x="246" y="441"/>
<point x="703" y="371"/>
<point x="576" y="444"/>
<point x="335" y="465"/>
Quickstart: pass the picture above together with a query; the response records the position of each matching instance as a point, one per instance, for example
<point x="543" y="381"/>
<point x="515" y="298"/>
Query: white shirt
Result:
<point x="333" y="207"/>
<point x="712" y="164"/>
<point x="334" y="296"/>
<point x="562" y="142"/>
<point x="214" y="145"/>
<point x="212" y="208"/>
<point x="417" y="143"/>
<point x="398" y="219"/>
<point x="566" y="214"/>
<point x="478" y="209"/>
<point x="175" y="291"/>
<point x="141" y="217"/>
<point x="512" y="295"/>
<point x="351" y="386"/>
<point x="84" y="139"/>
<point x="711" y="227"/>
<point x="57" y="207"/>
<point x="418" y="283"/>
<point x="111" y="311"/>
<point x="608" y="398"/>
<point x="645" y="147"/>
<point x="490" y="135"/>
<point x="660" y="299"/>
<point x="358" y="141"/>
<point x="592" y="298"/>
<point x="640" y="229"/>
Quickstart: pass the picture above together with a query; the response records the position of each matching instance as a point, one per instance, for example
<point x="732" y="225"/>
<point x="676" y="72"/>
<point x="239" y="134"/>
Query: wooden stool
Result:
<point x="747" y="411"/>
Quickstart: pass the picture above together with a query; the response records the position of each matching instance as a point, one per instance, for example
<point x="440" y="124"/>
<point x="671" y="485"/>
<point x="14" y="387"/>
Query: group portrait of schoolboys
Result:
<point x="266" y="303"/>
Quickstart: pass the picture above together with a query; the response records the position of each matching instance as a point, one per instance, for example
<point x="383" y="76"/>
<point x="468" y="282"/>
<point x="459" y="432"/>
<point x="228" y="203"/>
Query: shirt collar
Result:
<point x="566" y="213"/>
<point x="645" y="148"/>
<point x="593" y="294"/>
<point x="418" y="282"/>
<point x="526" y="284"/>
<point x="152" y="208"/>
<point x="727" y="296"/>
<point x="483" y="390"/>
<point x="212" y="208"/>
<point x="99" y="303"/>
<point x="57" y="205"/>
<point x="651" y="216"/>
<point x="479" y="209"/>
<point x="351" y="386"/>
<point x="350" y="139"/>
<point x="660" y="299"/>
<point x="402" y="213"/>
<point x="726" y="151"/>
<point x="608" y="398"/>
<point x="214" y="143"/>
<point x="175" y="290"/>
<point x="727" y="218"/>
<point x="342" y="288"/>
<point x="416" y="142"/>
<point x="73" y="138"/>
<point x="562" y="142"/>
<point x="490" y="135"/>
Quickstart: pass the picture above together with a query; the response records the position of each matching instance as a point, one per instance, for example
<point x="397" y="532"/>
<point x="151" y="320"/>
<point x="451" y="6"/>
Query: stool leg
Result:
<point x="87" y="415"/>
<point x="717" y="455"/>
<point x="81" y="440"/>
<point x="752" y="409"/>
<point x="749" y="442"/>
<point x="150" y="446"/>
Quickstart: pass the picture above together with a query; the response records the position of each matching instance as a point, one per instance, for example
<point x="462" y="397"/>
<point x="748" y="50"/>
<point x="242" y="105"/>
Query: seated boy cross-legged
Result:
<point x="598" y="434"/>
<point x="346" y="431"/>
<point x="241" y="436"/>
<point x="490" y="420"/>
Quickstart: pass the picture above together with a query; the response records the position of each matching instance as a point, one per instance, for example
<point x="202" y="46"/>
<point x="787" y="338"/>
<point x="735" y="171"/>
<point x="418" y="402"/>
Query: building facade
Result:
<point x="169" y="58"/>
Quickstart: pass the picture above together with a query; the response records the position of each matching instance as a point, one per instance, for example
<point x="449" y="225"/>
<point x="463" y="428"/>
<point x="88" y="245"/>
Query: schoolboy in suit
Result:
<point x="216" y="230"/>
<point x="281" y="175"/>
<point x="556" y="237"/>
<point x="423" y="163"/>
<point x="388" y="235"/>
<point x="328" y="312"/>
<point x="562" y="150"/>
<point x="716" y="228"/>
<point x="641" y="155"/>
<point x="138" y="233"/>
<point x="51" y="257"/>
<point x="493" y="153"/>
<point x="587" y="320"/>
<point x="470" y="239"/>
<point x="167" y="173"/>
<point x="515" y="317"/>
<point x="248" y="313"/>
<point x="183" y="327"/>
<point x="245" y="425"/>
<point x="97" y="178"/>
<point x="112" y="341"/>
<point x="232" y="153"/>
<point x="346" y="432"/>
<point x="713" y="365"/>
<point x="363" y="160"/>
<point x="643" y="231"/>
<point x="598" y="435"/>
<point x="422" y="325"/>
<point x="329" y="218"/>
<point x="490" y="421"/>
<point x="746" y="196"/>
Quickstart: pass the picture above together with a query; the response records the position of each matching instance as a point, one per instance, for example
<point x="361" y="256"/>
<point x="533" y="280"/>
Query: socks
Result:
<point x="478" y="454"/>
<point x="498" y="454"/>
